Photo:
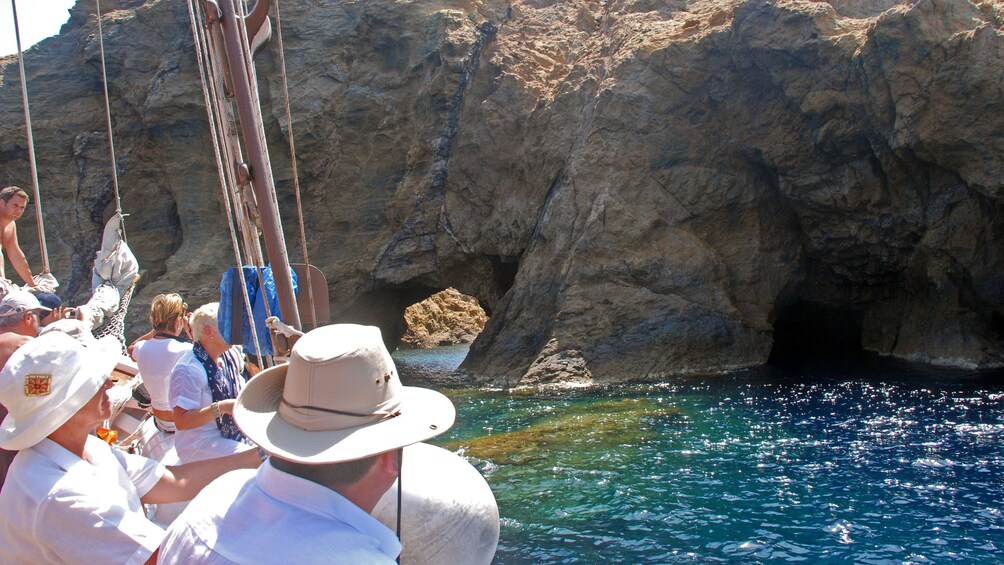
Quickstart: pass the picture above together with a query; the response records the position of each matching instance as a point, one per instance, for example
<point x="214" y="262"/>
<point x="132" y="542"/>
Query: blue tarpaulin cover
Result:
<point x="229" y="291"/>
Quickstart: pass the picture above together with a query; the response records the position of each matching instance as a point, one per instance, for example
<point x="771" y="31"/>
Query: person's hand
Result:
<point x="186" y="324"/>
<point x="227" y="406"/>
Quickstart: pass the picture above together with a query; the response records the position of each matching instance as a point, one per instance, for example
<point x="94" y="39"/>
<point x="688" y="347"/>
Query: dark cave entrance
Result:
<point x="812" y="333"/>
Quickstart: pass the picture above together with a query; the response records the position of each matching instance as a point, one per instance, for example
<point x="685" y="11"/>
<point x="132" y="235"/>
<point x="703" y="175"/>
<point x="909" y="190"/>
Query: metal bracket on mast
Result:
<point x="247" y="195"/>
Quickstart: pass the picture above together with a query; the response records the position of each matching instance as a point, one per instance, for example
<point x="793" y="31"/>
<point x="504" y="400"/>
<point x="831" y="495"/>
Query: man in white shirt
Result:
<point x="70" y="497"/>
<point x="334" y="420"/>
<point x="20" y="317"/>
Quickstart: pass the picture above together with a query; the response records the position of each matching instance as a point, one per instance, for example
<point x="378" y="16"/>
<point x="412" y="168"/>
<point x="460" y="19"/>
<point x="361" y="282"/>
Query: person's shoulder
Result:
<point x="220" y="495"/>
<point x="9" y="343"/>
<point x="39" y="479"/>
<point x="14" y="338"/>
<point x="187" y="361"/>
<point x="139" y="346"/>
<point x="8" y="228"/>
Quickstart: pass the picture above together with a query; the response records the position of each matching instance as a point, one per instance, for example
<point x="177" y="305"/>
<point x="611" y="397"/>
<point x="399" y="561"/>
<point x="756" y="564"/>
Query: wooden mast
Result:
<point x="260" y="166"/>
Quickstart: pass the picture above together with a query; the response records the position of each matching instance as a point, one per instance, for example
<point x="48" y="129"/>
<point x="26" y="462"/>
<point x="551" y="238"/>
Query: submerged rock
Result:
<point x="630" y="189"/>
<point x="605" y="425"/>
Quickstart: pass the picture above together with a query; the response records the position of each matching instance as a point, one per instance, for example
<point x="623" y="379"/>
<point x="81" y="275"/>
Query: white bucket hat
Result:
<point x="45" y="382"/>
<point x="338" y="399"/>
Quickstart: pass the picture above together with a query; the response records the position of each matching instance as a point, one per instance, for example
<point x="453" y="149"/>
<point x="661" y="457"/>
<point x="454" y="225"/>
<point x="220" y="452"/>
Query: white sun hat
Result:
<point x="338" y="399"/>
<point x="45" y="382"/>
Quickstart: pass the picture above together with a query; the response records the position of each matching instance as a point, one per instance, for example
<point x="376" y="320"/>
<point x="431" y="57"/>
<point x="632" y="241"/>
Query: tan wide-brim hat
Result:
<point x="338" y="399"/>
<point x="46" y="381"/>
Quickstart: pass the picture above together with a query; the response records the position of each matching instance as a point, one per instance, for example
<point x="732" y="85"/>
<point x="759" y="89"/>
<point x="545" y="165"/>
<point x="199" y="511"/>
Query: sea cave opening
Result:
<point x="418" y="317"/>
<point x="438" y="331"/>
<point x="812" y="333"/>
<point x="448" y="317"/>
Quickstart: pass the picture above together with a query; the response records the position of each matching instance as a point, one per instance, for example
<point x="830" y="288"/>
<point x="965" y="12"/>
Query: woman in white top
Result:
<point x="157" y="352"/>
<point x="204" y="384"/>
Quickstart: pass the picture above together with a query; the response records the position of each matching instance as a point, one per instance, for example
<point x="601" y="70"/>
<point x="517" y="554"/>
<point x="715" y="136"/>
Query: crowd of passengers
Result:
<point x="284" y="465"/>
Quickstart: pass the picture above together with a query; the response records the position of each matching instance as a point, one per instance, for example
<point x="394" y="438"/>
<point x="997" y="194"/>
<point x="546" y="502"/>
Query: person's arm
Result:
<point x="183" y="482"/>
<point x="191" y="419"/>
<point x="15" y="255"/>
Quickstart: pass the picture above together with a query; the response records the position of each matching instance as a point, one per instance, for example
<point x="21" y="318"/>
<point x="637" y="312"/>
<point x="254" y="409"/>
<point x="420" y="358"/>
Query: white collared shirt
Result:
<point x="59" y="508"/>
<point x="274" y="517"/>
<point x="189" y="389"/>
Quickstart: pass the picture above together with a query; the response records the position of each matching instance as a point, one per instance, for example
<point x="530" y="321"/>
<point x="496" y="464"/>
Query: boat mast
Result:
<point x="262" y="183"/>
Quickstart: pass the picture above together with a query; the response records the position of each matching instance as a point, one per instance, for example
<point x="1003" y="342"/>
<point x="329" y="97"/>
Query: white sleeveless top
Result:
<point x="156" y="358"/>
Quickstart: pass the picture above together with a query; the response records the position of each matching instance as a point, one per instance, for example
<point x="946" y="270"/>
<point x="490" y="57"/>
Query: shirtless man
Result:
<point x="13" y="201"/>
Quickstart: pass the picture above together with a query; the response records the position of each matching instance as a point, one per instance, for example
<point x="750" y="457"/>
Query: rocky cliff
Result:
<point x="445" y="318"/>
<point x="631" y="188"/>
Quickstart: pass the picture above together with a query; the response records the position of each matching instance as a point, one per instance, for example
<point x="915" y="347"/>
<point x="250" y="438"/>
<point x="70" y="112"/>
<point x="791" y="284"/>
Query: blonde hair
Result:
<point x="204" y="317"/>
<point x="165" y="310"/>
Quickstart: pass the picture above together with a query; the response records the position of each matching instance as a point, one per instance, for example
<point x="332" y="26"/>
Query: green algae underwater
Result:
<point x="578" y="429"/>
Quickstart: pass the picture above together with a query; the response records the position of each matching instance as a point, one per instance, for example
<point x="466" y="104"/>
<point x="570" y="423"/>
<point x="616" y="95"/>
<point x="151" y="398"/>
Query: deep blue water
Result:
<point x="877" y="465"/>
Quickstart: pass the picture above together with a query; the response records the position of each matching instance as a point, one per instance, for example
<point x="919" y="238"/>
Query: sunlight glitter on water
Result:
<point x="760" y="466"/>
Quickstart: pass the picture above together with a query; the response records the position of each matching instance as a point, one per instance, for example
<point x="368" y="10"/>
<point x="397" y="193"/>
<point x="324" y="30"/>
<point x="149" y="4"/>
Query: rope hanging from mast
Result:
<point x="31" y="146"/>
<point x="292" y="158"/>
<point x="226" y="35"/>
<point x="247" y="57"/>
<point x="108" y="118"/>
<point x="215" y="105"/>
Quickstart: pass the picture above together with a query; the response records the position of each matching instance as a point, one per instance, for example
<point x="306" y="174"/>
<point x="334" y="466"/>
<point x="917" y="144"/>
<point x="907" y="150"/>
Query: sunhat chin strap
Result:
<point x="400" y="471"/>
<point x="385" y="413"/>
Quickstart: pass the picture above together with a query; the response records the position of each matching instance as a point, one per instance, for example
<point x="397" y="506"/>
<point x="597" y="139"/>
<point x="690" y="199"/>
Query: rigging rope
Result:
<point x="213" y="105"/>
<point x="292" y="158"/>
<point x="31" y="146"/>
<point x="108" y="118"/>
<point x="240" y="8"/>
<point x="114" y="325"/>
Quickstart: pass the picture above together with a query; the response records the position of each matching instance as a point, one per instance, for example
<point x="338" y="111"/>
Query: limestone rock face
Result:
<point x="445" y="318"/>
<point x="631" y="189"/>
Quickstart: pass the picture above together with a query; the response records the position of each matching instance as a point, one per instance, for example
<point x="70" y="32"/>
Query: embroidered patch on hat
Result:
<point x="37" y="385"/>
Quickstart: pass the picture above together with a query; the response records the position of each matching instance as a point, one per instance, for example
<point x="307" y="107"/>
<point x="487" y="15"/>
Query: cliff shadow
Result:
<point x="808" y="334"/>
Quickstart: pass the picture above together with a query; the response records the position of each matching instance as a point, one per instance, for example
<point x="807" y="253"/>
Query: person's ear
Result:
<point x="390" y="462"/>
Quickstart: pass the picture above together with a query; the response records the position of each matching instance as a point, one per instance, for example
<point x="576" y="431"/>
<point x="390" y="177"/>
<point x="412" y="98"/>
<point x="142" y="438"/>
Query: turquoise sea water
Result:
<point x="868" y="465"/>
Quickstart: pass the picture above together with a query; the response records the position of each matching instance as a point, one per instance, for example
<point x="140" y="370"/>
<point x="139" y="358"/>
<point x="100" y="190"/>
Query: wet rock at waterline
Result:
<point x="629" y="189"/>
